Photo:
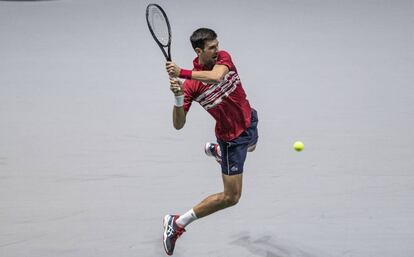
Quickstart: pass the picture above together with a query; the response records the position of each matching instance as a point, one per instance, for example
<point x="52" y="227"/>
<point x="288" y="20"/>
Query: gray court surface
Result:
<point x="90" y="162"/>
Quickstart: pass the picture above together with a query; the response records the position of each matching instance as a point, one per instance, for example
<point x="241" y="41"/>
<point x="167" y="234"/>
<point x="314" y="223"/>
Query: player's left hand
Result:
<point x="176" y="86"/>
<point x="172" y="69"/>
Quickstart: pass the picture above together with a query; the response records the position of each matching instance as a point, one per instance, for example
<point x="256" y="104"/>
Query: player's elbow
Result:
<point x="178" y="126"/>
<point x="178" y="118"/>
<point x="216" y="78"/>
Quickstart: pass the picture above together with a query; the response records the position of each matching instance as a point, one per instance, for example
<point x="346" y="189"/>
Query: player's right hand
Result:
<point x="176" y="86"/>
<point x="172" y="69"/>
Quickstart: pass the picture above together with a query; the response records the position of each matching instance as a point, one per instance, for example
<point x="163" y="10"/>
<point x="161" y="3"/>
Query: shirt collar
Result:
<point x="197" y="66"/>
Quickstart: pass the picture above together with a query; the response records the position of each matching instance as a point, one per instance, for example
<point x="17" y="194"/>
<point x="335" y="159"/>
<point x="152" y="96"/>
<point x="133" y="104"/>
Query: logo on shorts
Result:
<point x="234" y="168"/>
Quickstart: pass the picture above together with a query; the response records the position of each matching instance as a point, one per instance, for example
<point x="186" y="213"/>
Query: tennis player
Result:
<point x="215" y="84"/>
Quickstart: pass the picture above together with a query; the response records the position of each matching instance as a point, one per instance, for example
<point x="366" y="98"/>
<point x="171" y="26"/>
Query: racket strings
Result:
<point x="159" y="25"/>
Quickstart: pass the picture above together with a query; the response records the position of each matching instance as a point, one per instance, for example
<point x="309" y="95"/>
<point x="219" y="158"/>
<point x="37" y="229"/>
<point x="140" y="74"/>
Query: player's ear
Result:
<point x="198" y="51"/>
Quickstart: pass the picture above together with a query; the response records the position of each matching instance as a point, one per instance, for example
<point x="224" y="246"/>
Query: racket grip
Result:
<point x="185" y="74"/>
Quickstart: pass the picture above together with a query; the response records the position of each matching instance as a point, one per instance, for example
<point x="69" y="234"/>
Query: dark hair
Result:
<point x="200" y="36"/>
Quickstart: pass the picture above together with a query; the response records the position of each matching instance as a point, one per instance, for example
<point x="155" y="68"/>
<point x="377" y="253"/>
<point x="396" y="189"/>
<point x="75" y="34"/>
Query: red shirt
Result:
<point x="225" y="101"/>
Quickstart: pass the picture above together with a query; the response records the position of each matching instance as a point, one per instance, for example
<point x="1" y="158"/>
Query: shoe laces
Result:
<point x="178" y="232"/>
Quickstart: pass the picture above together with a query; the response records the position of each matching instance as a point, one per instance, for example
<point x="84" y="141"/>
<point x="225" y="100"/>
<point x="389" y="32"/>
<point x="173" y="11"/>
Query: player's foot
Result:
<point x="171" y="232"/>
<point x="213" y="150"/>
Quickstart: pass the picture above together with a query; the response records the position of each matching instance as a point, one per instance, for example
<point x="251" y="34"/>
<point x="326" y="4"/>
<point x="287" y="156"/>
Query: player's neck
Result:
<point x="206" y="66"/>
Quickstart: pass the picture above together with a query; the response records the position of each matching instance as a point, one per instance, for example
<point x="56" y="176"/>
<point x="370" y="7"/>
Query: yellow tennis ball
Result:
<point x="298" y="146"/>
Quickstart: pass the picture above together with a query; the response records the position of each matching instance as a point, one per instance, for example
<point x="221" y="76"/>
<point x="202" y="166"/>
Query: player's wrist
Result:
<point x="179" y="100"/>
<point x="185" y="74"/>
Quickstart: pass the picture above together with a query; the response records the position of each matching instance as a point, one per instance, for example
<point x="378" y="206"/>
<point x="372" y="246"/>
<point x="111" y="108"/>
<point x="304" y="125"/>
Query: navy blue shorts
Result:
<point x="234" y="152"/>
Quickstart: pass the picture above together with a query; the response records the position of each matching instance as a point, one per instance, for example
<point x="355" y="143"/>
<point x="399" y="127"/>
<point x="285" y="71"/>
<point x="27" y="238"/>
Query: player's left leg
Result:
<point x="174" y="224"/>
<point x="213" y="150"/>
<point x="253" y="132"/>
<point x="229" y="197"/>
<point x="249" y="136"/>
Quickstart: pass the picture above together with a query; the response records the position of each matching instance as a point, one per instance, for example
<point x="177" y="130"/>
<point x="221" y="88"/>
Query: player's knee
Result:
<point x="232" y="199"/>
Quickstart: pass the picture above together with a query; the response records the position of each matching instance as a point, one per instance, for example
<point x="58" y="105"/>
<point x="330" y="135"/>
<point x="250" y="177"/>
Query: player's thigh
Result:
<point x="233" y="185"/>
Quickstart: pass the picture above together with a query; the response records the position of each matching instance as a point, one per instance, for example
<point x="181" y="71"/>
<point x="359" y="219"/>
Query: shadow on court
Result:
<point x="268" y="246"/>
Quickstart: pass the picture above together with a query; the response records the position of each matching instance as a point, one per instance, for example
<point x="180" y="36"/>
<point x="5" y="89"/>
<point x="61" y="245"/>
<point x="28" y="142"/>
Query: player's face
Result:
<point x="208" y="56"/>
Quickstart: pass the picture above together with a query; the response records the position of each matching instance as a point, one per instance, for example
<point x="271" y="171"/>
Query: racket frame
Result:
<point x="167" y="53"/>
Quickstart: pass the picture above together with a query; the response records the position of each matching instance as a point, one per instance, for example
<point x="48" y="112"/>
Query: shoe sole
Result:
<point x="207" y="149"/>
<point x="165" y="221"/>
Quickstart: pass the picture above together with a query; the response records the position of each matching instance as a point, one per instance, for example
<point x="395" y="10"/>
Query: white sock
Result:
<point x="186" y="218"/>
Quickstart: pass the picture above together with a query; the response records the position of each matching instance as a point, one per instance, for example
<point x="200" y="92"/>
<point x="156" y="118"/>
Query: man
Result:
<point x="215" y="84"/>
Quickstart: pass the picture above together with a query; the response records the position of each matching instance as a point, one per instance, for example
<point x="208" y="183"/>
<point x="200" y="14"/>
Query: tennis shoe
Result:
<point x="171" y="233"/>
<point x="213" y="150"/>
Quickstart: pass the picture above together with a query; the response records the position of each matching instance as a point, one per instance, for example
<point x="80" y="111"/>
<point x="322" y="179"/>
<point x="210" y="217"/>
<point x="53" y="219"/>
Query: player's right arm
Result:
<point x="178" y="111"/>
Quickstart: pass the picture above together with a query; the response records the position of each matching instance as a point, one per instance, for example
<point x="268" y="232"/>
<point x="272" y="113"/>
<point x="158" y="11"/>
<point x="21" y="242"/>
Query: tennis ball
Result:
<point x="298" y="146"/>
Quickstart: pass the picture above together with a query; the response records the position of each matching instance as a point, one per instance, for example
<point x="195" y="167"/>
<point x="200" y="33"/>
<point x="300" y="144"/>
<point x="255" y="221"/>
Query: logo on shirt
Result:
<point x="218" y="92"/>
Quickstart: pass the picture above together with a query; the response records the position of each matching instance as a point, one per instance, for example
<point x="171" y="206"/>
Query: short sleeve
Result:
<point x="224" y="58"/>
<point x="188" y="95"/>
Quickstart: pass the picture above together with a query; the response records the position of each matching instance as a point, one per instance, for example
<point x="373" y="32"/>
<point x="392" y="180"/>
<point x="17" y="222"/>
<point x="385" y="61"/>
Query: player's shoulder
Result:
<point x="190" y="84"/>
<point x="223" y="53"/>
<point x="193" y="88"/>
<point x="187" y="83"/>
<point x="224" y="58"/>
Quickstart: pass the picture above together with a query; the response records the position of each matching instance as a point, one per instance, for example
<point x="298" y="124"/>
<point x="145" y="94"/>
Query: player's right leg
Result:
<point x="171" y="233"/>
<point x="229" y="197"/>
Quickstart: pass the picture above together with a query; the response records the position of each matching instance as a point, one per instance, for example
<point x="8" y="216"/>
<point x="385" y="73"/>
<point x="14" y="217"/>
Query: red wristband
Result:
<point x="185" y="74"/>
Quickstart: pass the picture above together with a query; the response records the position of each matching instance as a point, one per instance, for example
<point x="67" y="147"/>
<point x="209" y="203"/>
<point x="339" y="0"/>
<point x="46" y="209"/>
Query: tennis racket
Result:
<point x="160" y="29"/>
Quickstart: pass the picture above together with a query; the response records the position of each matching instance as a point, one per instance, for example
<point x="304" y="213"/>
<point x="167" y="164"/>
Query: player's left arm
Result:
<point x="208" y="76"/>
<point x="211" y="76"/>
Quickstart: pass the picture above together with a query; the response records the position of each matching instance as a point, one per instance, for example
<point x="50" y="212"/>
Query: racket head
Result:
<point x="160" y="28"/>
